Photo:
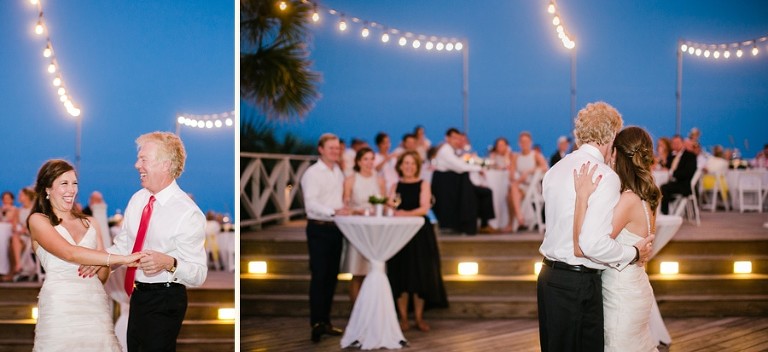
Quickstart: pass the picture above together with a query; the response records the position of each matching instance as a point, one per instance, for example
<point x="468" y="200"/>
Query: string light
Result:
<point x="557" y="21"/>
<point x="225" y="119"/>
<point x="722" y="50"/>
<point x="417" y="41"/>
<point x="53" y="64"/>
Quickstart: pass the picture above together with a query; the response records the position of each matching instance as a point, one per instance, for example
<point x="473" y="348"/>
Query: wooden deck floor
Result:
<point x="277" y="334"/>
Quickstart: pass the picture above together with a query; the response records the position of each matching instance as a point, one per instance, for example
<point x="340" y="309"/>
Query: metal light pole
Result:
<point x="678" y="93"/>
<point x="465" y="86"/>
<point x="78" y="137"/>
<point x="573" y="84"/>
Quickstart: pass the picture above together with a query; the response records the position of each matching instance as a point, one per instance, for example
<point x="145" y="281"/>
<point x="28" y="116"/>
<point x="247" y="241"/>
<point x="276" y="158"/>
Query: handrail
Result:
<point x="269" y="187"/>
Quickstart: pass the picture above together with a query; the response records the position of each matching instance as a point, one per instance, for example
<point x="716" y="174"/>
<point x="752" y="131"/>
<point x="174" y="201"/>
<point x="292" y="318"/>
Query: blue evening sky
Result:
<point x="131" y="66"/>
<point x="519" y="75"/>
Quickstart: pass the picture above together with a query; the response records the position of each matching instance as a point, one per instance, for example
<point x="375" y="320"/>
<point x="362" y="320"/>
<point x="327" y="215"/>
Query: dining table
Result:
<point x="373" y="323"/>
<point x="6" y="231"/>
<point x="732" y="177"/>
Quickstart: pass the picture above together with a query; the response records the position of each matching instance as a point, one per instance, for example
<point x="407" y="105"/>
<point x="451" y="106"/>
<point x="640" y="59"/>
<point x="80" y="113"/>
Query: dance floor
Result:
<point x="275" y="334"/>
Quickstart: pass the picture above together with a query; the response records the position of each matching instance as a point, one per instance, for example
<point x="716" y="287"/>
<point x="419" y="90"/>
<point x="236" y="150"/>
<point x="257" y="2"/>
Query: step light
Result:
<point x="742" y="267"/>
<point x="537" y="268"/>
<point x="669" y="268"/>
<point x="34" y="313"/>
<point x="257" y="267"/>
<point x="468" y="268"/>
<point x="344" y="276"/>
<point x="226" y="313"/>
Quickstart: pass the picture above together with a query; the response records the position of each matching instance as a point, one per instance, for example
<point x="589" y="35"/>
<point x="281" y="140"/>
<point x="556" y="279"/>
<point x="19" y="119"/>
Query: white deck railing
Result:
<point x="269" y="187"/>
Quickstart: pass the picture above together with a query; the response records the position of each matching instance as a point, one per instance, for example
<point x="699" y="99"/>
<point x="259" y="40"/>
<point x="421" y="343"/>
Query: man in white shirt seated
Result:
<point x="458" y="202"/>
<point x="323" y="187"/>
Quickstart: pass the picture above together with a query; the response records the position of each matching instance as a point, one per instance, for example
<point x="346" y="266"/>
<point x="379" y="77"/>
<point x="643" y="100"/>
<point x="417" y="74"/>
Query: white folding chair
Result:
<point x="689" y="205"/>
<point x="750" y="184"/>
<point x="534" y="200"/>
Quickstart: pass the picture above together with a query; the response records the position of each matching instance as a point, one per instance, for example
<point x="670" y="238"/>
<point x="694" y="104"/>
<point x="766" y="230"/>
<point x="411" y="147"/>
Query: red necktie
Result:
<point x="140" y="235"/>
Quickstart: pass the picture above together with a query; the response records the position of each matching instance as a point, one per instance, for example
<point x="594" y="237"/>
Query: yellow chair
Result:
<point x="713" y="185"/>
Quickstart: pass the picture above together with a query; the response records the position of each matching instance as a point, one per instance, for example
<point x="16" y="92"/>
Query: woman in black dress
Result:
<point x="415" y="270"/>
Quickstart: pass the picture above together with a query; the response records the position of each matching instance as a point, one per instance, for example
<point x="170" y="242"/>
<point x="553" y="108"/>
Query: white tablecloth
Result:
<point x="226" y="242"/>
<point x="5" y="242"/>
<point x="732" y="178"/>
<point x="373" y="323"/>
<point x="660" y="177"/>
<point x="498" y="182"/>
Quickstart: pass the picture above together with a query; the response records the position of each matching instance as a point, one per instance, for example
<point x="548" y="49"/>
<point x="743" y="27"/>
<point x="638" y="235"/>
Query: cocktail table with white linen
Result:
<point x="373" y="323"/>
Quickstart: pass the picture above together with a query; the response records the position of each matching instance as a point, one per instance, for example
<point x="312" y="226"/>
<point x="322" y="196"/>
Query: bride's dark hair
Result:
<point x="634" y="158"/>
<point x="49" y="172"/>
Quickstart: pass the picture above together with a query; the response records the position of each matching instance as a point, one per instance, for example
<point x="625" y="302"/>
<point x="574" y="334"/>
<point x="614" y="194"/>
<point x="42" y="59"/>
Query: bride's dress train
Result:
<point x="74" y="312"/>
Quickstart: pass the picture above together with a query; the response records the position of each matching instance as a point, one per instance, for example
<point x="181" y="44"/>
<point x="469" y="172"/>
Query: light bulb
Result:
<point x="551" y="8"/>
<point x="739" y="53"/>
<point x="180" y="120"/>
<point x="706" y="53"/>
<point x="33" y="2"/>
<point x="449" y="46"/>
<point x="716" y="54"/>
<point x="217" y="123"/>
<point x="51" y="68"/>
<point x="754" y="51"/>
<point x="416" y="44"/>
<point x="440" y="46"/>
<point x="384" y="38"/>
<point x="429" y="45"/>
<point x="342" y="25"/>
<point x="47" y="52"/>
<point x="228" y="122"/>
<point x="727" y="54"/>
<point x="283" y="6"/>
<point x="200" y="124"/>
<point x="315" y="17"/>
<point x="458" y="46"/>
<point x="365" y="32"/>
<point x="63" y="98"/>
<point x="209" y="124"/>
<point x="698" y="52"/>
<point x="56" y="82"/>
<point x="39" y="28"/>
<point x="560" y="29"/>
<point x="62" y="91"/>
<point x="684" y="48"/>
<point x="402" y="41"/>
<point x="691" y="50"/>
<point x="556" y="21"/>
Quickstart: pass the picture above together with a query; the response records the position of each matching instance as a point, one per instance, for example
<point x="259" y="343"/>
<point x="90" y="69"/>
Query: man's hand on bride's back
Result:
<point x="645" y="246"/>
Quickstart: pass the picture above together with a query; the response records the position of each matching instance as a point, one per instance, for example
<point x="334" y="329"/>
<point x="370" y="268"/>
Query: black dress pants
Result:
<point x="570" y="310"/>
<point x="156" y="314"/>
<point x="324" y="242"/>
<point x="668" y="192"/>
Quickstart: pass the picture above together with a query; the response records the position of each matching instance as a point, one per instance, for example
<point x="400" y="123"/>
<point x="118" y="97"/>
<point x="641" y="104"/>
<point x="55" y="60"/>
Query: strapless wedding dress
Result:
<point x="73" y="312"/>
<point x="627" y="300"/>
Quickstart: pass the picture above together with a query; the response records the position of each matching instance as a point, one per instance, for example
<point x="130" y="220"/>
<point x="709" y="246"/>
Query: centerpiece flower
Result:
<point x="377" y="199"/>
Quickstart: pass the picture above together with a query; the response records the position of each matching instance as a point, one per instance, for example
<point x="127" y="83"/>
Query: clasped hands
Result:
<point x="148" y="261"/>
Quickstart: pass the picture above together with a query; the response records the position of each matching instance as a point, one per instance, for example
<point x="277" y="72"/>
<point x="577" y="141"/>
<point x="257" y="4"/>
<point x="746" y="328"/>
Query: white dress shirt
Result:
<point x="176" y="228"/>
<point x="447" y="160"/>
<point x="323" y="188"/>
<point x="560" y="199"/>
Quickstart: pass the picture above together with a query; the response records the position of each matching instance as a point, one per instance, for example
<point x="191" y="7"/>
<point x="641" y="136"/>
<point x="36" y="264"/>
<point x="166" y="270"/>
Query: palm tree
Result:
<point x="275" y="74"/>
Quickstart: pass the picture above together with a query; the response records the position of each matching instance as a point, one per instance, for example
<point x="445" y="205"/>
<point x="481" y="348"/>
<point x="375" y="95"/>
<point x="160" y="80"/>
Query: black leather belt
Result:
<point x="569" y="267"/>
<point x="321" y="222"/>
<point x="143" y="286"/>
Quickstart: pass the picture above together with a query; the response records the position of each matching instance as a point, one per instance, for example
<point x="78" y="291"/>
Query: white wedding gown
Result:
<point x="627" y="300"/>
<point x="73" y="312"/>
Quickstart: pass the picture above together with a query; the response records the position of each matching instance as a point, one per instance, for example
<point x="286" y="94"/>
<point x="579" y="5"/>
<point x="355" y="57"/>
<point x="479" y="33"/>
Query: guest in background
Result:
<point x="358" y="187"/>
<point x="95" y="198"/>
<point x="422" y="142"/>
<point x="501" y="160"/>
<point x="563" y="143"/>
<point x="761" y="159"/>
<point x="414" y="272"/>
<point x="525" y="164"/>
<point x="323" y="187"/>
<point x="26" y="199"/>
<point x="349" y="155"/>
<point x="663" y="149"/>
<point x="385" y="160"/>
<point x="98" y="209"/>
<point x="458" y="202"/>
<point x="682" y="166"/>
<point x="10" y="215"/>
<point x="408" y="142"/>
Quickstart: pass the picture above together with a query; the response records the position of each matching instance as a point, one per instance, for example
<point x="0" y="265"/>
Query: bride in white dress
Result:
<point x="627" y="294"/>
<point x="73" y="311"/>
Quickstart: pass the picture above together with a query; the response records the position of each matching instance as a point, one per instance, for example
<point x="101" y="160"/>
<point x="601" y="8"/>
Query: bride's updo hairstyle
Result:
<point x="634" y="158"/>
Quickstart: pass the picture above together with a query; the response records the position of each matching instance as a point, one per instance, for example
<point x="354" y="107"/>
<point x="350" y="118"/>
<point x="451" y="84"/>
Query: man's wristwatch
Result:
<point x="637" y="257"/>
<point x="173" y="268"/>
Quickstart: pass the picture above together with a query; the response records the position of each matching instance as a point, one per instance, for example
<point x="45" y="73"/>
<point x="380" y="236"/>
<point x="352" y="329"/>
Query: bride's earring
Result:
<point x="47" y="196"/>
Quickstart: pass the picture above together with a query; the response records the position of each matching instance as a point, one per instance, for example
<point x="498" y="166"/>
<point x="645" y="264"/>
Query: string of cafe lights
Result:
<point x="557" y="21"/>
<point x="225" y="119"/>
<point x="724" y="50"/>
<point x="430" y="43"/>
<point x="65" y="97"/>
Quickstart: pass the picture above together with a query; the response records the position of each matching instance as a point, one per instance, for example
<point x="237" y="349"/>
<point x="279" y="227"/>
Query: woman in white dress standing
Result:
<point x="627" y="294"/>
<point x="358" y="187"/>
<point x="73" y="311"/>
